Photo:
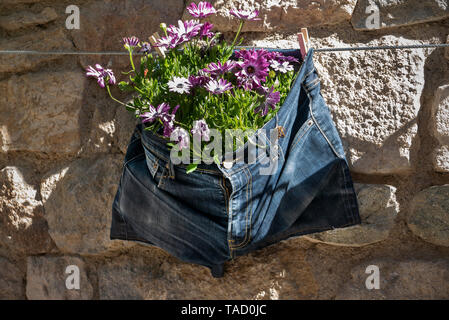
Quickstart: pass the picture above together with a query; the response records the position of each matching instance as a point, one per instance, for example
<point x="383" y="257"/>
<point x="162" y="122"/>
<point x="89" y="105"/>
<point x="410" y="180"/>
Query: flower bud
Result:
<point x="164" y="28"/>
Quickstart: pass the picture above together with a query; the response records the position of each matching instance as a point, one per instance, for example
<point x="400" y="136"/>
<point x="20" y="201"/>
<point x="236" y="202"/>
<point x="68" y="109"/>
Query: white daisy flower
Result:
<point x="179" y="85"/>
<point x="283" y="67"/>
<point x="218" y="87"/>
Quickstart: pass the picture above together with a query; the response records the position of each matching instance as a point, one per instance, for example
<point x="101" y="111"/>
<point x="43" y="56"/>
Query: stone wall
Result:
<point x="62" y="142"/>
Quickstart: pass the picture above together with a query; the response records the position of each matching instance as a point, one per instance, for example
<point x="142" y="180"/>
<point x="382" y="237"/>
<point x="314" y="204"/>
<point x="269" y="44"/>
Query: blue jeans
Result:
<point x="215" y="213"/>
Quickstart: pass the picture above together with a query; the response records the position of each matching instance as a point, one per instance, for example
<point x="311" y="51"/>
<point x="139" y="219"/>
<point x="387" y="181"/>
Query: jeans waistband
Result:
<point x="157" y="146"/>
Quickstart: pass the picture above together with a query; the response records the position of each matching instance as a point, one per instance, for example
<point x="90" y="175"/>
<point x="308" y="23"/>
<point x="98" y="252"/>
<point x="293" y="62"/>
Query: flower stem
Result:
<point x="238" y="33"/>
<point x="140" y="91"/>
<point x="131" y="59"/>
<point x="126" y="105"/>
<point x="180" y="124"/>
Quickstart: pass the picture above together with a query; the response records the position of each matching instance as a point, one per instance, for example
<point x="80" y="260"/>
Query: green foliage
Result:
<point x="234" y="109"/>
<point x="225" y="111"/>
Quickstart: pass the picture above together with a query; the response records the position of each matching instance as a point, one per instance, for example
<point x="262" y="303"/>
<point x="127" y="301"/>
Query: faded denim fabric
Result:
<point x="215" y="214"/>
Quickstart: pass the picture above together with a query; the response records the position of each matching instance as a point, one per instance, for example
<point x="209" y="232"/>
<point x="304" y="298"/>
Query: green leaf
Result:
<point x="130" y="108"/>
<point x="125" y="86"/>
<point x="191" y="167"/>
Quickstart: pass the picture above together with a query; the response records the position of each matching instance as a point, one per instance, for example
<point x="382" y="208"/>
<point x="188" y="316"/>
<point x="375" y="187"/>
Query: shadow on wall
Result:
<point x="414" y="135"/>
<point x="389" y="156"/>
<point x="78" y="195"/>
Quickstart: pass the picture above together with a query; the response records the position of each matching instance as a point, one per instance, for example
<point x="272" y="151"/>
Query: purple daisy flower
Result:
<point x="202" y="10"/>
<point x="168" y="129"/>
<point x="150" y="115"/>
<point x="246" y="54"/>
<point x="168" y="120"/>
<point x="163" y="112"/>
<point x="215" y="69"/>
<point x="101" y="74"/>
<point x="167" y="117"/>
<point x="229" y="66"/>
<point x="271" y="99"/>
<point x="245" y="14"/>
<point x="185" y="31"/>
<point x="218" y="87"/>
<point x="205" y="30"/>
<point x="153" y="113"/>
<point x="201" y="130"/>
<point x="130" y="42"/>
<point x="146" y="48"/>
<point x="168" y="42"/>
<point x="253" y="68"/>
<point x="198" y="80"/>
<point x="252" y="54"/>
<point x="181" y="136"/>
<point x="248" y="83"/>
<point x="279" y="57"/>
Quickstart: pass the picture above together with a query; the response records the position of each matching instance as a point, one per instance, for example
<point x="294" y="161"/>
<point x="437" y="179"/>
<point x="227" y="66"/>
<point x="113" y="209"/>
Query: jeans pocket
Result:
<point x="157" y="167"/>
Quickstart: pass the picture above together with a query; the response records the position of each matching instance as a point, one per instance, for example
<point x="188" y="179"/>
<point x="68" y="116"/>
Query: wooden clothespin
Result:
<point x="153" y="40"/>
<point x="303" y="40"/>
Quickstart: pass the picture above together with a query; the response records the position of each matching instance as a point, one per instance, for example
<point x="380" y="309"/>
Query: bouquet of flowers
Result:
<point x="190" y="82"/>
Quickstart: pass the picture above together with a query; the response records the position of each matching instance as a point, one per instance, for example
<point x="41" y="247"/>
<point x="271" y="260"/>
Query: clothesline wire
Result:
<point x="411" y="46"/>
<point x="118" y="53"/>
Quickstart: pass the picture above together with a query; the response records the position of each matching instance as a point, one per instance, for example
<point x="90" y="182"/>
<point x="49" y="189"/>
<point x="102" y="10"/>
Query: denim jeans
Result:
<point x="220" y="212"/>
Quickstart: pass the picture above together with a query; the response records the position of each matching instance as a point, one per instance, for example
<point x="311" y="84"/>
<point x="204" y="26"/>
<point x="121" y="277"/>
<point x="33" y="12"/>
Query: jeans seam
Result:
<point x="309" y="126"/>
<point x="247" y="237"/>
<point x="345" y="197"/>
<point x="133" y="158"/>
<point x="230" y="222"/>
<point x="348" y="191"/>
<point x="226" y="196"/>
<point x="161" y="157"/>
<point x="312" y="83"/>
<point x="281" y="152"/>
<point x="162" y="178"/>
<point x="309" y="73"/>
<point x="126" y="225"/>
<point x="123" y="221"/>
<point x="268" y="145"/>
<point x="318" y="126"/>
<point x="246" y="215"/>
